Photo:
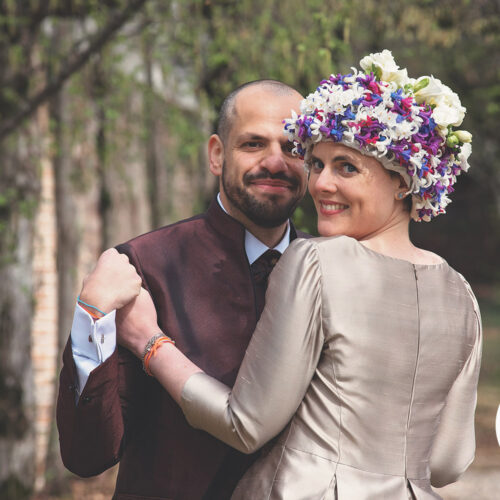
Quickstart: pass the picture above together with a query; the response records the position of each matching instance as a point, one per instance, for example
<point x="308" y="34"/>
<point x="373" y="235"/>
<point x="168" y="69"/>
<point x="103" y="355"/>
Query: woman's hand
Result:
<point x="136" y="323"/>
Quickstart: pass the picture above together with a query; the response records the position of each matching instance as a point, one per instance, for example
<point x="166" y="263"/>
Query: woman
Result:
<point x="367" y="354"/>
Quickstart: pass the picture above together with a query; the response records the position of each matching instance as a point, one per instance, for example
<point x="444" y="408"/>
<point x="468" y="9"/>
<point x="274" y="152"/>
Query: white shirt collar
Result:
<point x="254" y="248"/>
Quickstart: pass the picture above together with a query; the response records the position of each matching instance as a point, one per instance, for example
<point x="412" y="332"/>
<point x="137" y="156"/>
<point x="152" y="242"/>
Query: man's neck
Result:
<point x="270" y="236"/>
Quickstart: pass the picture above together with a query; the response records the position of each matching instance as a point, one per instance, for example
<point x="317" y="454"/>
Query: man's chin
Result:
<point x="274" y="199"/>
<point x="270" y="215"/>
<point x="264" y="209"/>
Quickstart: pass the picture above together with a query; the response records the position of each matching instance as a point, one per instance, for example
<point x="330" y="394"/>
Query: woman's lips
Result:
<point x="331" y="207"/>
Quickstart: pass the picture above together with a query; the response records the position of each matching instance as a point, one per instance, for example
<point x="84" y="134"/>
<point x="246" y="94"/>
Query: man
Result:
<point x="199" y="274"/>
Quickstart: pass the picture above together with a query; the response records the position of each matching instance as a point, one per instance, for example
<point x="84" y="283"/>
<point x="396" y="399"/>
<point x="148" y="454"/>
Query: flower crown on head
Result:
<point x="405" y="123"/>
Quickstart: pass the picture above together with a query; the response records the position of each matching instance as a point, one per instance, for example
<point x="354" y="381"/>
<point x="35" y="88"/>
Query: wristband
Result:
<point x="80" y="301"/>
<point x="152" y="346"/>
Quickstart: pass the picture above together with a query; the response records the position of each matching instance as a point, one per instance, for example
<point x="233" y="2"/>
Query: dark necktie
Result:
<point x="261" y="269"/>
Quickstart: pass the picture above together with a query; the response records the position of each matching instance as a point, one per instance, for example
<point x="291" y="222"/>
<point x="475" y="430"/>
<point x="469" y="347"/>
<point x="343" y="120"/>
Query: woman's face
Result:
<point x="354" y="194"/>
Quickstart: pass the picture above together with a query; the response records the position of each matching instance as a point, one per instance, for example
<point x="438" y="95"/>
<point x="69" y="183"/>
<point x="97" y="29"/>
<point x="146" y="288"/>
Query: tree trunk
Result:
<point x="98" y="93"/>
<point x="67" y="254"/>
<point x="19" y="191"/>
<point x="150" y="124"/>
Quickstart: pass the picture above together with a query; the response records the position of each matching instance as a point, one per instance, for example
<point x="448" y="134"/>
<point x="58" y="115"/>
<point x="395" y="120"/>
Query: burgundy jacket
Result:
<point x="199" y="277"/>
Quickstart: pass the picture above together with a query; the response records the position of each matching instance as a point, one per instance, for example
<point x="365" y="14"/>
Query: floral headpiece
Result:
<point x="405" y="123"/>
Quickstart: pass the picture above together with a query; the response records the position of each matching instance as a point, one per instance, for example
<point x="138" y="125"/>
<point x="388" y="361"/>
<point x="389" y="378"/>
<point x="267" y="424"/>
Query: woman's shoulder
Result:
<point x="322" y="247"/>
<point x="311" y="244"/>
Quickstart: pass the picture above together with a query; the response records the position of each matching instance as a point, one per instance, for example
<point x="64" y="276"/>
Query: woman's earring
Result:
<point x="400" y="195"/>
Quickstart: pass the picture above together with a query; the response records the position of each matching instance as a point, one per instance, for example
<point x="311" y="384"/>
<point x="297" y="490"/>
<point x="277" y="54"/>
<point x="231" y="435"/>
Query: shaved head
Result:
<point x="228" y="108"/>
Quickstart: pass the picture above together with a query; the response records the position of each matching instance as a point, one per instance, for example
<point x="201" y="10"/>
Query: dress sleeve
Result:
<point x="455" y="444"/>
<point x="278" y="365"/>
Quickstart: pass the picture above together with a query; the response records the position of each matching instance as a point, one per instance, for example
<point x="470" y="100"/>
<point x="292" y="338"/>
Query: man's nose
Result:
<point x="275" y="160"/>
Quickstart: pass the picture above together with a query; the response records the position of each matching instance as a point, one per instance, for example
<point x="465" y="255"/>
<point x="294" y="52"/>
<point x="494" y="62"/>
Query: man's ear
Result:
<point x="215" y="154"/>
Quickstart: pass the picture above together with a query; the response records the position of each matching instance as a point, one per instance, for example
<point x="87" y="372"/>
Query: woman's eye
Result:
<point x="317" y="164"/>
<point x="348" y="168"/>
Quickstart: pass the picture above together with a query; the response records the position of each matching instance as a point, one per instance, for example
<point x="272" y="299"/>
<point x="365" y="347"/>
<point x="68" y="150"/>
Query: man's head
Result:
<point x="261" y="182"/>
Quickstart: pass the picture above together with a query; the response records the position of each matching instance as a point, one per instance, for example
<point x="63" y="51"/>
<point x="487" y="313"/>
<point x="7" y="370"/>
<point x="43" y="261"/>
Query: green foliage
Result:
<point x="227" y="44"/>
<point x="203" y="50"/>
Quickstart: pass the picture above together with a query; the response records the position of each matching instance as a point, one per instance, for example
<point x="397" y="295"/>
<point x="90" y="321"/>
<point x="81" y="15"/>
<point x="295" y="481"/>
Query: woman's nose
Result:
<point x="326" y="181"/>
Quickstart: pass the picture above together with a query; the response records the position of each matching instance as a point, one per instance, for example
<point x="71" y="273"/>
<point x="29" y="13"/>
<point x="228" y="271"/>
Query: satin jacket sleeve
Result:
<point x="454" y="446"/>
<point x="279" y="363"/>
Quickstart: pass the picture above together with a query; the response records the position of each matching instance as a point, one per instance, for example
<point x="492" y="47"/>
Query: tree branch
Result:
<point x="29" y="107"/>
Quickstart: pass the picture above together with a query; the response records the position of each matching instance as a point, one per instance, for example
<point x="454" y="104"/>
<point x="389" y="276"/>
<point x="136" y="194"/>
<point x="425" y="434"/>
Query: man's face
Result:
<point x="261" y="179"/>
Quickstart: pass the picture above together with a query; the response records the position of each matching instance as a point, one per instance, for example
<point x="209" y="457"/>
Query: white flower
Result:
<point x="382" y="146"/>
<point x="428" y="89"/>
<point x="385" y="68"/>
<point x="310" y="103"/>
<point x="348" y="136"/>
<point x="448" y="109"/>
<point x="463" y="156"/>
<point x="463" y="136"/>
<point x="448" y="113"/>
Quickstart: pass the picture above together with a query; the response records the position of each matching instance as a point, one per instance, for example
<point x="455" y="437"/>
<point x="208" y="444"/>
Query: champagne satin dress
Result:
<point x="365" y="365"/>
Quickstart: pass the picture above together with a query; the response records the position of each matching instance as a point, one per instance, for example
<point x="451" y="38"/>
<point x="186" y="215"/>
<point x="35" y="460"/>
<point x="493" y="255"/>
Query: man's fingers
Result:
<point x="111" y="251"/>
<point x="113" y="283"/>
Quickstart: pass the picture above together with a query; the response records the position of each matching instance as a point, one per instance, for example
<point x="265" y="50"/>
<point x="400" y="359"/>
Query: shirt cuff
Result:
<point x="92" y="342"/>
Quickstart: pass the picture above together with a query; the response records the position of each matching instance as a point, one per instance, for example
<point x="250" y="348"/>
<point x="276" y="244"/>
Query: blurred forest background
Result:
<point x="105" y="109"/>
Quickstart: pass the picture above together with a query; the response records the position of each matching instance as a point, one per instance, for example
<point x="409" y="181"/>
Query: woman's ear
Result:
<point x="398" y="181"/>
<point x="402" y="183"/>
<point x="402" y="193"/>
<point x="215" y="154"/>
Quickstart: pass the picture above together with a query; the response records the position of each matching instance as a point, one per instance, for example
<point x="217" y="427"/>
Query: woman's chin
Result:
<point x="328" y="230"/>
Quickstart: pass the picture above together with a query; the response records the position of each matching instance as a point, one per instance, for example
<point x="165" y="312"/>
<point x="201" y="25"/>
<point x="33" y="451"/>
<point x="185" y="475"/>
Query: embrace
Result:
<point x="211" y="366"/>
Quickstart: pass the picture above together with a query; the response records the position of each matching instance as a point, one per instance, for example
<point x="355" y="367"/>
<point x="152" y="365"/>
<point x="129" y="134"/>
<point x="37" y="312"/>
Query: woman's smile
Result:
<point x="331" y="207"/>
<point x="353" y="193"/>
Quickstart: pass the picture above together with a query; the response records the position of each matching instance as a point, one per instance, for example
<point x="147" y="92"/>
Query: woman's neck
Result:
<point x="394" y="241"/>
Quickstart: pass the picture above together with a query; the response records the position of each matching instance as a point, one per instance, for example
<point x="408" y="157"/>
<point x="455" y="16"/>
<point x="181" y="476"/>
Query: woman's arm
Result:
<point x="454" y="445"/>
<point x="136" y="323"/>
<point x="276" y="371"/>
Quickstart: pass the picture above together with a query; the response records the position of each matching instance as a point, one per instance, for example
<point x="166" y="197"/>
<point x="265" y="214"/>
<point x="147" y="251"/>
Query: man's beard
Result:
<point x="270" y="213"/>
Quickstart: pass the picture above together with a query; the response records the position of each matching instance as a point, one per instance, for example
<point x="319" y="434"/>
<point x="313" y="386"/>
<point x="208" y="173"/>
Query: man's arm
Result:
<point x="89" y="410"/>
<point x="113" y="283"/>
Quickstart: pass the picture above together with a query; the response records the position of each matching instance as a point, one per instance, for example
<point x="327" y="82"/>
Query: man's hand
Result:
<point x="113" y="283"/>
<point x="136" y="323"/>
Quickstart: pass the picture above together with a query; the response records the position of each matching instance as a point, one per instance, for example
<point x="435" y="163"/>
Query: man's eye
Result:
<point x="253" y="144"/>
<point x="288" y="147"/>
<point x="317" y="164"/>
